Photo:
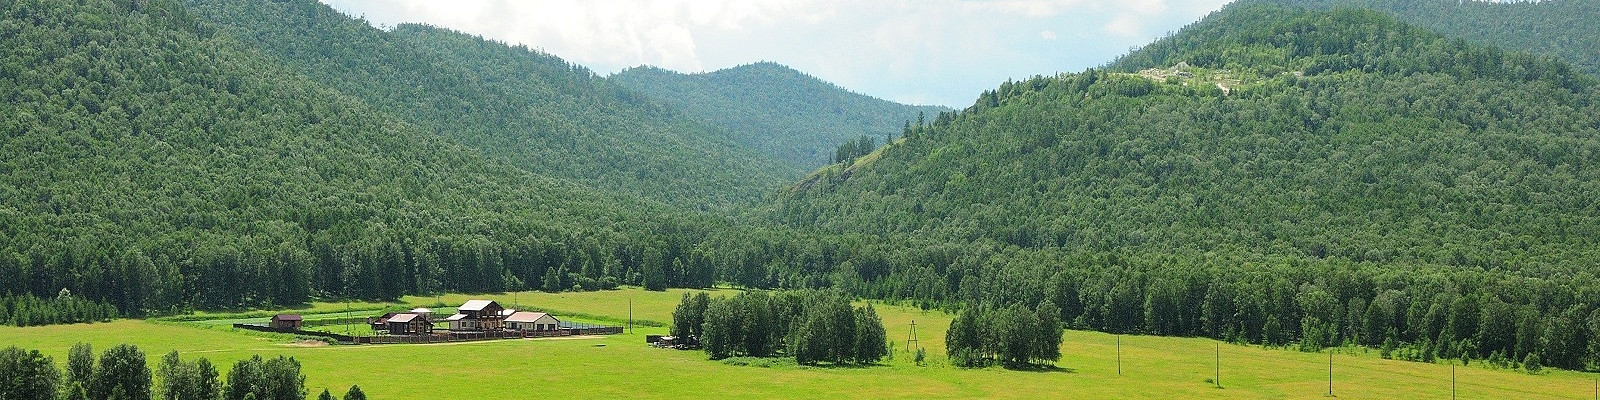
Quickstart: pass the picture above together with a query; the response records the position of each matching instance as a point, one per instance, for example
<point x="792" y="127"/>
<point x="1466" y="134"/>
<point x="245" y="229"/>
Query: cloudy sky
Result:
<point x="942" y="52"/>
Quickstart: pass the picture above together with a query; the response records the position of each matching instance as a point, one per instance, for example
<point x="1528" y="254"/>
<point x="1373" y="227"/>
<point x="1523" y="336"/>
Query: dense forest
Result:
<point x="1265" y="175"/>
<point x="155" y="164"/>
<point x="790" y="115"/>
<point x="1563" y="29"/>
<point x="533" y="110"/>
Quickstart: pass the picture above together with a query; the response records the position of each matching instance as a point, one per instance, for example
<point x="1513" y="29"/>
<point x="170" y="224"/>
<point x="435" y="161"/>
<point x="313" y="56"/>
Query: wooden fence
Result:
<point x="446" y="337"/>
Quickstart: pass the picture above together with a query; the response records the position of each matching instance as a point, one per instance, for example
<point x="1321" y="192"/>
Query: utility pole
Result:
<point x="1452" y="380"/>
<point x="630" y="315"/>
<point x="911" y="340"/>
<point x="1119" y="355"/>
<point x="1219" y="365"/>
<point x="1330" y="373"/>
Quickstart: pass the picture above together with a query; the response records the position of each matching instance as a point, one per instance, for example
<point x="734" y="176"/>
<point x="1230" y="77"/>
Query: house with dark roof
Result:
<point x="286" y="321"/>
<point x="409" y="324"/>
<point x="478" y="315"/>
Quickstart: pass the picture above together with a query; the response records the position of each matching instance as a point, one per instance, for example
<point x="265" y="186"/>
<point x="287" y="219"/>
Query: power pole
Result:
<point x="1452" y="380"/>
<point x="911" y="340"/>
<point x="1219" y="365"/>
<point x="630" y="315"/>
<point x="1119" y="355"/>
<point x="1330" y="373"/>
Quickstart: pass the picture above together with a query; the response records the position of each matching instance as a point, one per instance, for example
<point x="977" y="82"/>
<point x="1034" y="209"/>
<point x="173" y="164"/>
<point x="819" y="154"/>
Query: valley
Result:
<point x="1276" y="182"/>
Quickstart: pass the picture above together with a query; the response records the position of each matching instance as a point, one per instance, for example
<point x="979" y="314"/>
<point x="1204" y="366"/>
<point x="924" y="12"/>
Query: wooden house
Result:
<point x="532" y="321"/>
<point x="478" y="315"/>
<point x="409" y="324"/>
<point x="286" y="321"/>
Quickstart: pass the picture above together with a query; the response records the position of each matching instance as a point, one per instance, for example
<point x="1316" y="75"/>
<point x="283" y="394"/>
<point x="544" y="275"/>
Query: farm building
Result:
<point x="381" y="323"/>
<point x="409" y="324"/>
<point x="532" y="321"/>
<point x="478" y="315"/>
<point x="286" y="321"/>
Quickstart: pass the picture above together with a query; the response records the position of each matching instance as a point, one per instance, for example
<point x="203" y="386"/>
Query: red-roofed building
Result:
<point x="286" y="321"/>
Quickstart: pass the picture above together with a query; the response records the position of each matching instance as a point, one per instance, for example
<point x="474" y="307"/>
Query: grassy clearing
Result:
<point x="1154" y="367"/>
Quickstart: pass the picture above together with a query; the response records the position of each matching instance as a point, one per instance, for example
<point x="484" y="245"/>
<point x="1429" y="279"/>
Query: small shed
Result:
<point x="286" y="321"/>
<point x="409" y="324"/>
<point x="532" y="321"/>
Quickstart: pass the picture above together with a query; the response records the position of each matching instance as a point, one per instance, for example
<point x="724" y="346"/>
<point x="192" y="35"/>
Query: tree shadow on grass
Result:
<point x="1041" y="368"/>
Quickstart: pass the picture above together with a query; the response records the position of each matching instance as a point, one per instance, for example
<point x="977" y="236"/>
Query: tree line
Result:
<point x="29" y="310"/>
<point x="120" y="373"/>
<point x="812" y="326"/>
<point x="1014" y="336"/>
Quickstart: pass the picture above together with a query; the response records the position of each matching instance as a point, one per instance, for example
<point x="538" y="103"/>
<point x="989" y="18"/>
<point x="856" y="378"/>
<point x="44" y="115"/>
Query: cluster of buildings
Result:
<point x="473" y="316"/>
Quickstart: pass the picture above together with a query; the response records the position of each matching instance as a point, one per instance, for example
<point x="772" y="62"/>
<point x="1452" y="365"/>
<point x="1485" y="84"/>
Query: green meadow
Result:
<point x="622" y="366"/>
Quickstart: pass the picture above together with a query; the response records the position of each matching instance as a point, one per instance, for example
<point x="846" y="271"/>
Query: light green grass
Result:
<point x="1154" y="367"/>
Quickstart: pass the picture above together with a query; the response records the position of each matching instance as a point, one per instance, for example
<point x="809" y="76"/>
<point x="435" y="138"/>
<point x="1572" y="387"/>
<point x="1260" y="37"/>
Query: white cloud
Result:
<point x="1125" y="25"/>
<point x="938" y="51"/>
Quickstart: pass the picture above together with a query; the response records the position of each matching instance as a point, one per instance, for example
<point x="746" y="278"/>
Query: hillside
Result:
<point x="1264" y="175"/>
<point x="534" y="110"/>
<point x="775" y="109"/>
<point x="156" y="164"/>
<point x="1563" y="29"/>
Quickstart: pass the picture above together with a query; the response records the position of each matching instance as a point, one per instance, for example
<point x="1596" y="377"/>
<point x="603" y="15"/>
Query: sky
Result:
<point x="934" y="52"/>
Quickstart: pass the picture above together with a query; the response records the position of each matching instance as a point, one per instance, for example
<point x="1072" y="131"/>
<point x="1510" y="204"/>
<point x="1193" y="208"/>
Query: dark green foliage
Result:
<point x="855" y="148"/>
<point x="80" y="366"/>
<point x="74" y="391"/>
<point x="777" y="110"/>
<point x="355" y="393"/>
<point x="326" y="395"/>
<point x="871" y="341"/>
<point x="271" y="379"/>
<point x="1360" y="180"/>
<point x="688" y="320"/>
<point x="1014" y="336"/>
<point x="811" y="326"/>
<point x="121" y="374"/>
<point x="1563" y="29"/>
<point x="158" y="166"/>
<point x="29" y="310"/>
<point x="195" y="380"/>
<point x="27" y="374"/>
<point x="533" y="110"/>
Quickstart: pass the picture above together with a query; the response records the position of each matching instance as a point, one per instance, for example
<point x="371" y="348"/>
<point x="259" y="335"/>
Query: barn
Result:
<point x="286" y="321"/>
<point x="532" y="321"/>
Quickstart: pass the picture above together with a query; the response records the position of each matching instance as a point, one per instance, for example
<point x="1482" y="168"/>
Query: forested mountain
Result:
<point x="154" y="163"/>
<point x="776" y="109"/>
<point x="1565" y="29"/>
<point x="532" y="109"/>
<point x="1265" y="175"/>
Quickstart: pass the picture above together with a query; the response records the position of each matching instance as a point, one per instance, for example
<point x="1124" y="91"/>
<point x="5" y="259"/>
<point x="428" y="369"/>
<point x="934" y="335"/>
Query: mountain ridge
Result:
<point x="775" y="108"/>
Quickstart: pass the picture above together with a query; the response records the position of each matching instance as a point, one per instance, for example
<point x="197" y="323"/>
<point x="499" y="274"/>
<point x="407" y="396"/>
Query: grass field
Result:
<point x="621" y="366"/>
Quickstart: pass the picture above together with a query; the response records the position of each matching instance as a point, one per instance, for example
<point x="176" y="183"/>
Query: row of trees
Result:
<point x="120" y="373"/>
<point x="855" y="148"/>
<point x="29" y="310"/>
<point x="1014" y="336"/>
<point x="811" y="326"/>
